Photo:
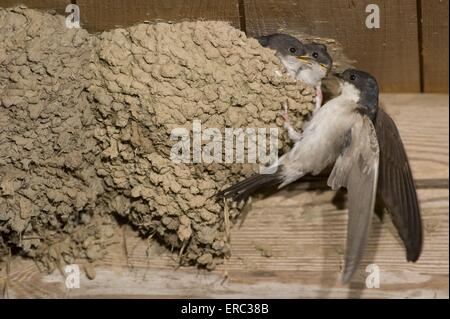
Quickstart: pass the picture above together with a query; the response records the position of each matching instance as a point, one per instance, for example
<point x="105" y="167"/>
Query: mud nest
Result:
<point x="49" y="188"/>
<point x="86" y="123"/>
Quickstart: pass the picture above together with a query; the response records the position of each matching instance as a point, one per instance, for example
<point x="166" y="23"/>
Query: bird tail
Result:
<point x="249" y="186"/>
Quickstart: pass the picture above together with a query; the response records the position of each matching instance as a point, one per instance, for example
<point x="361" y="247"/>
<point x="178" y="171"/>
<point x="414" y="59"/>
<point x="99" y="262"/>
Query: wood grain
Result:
<point x="420" y="119"/>
<point x="291" y="244"/>
<point x="435" y="45"/>
<point x="99" y="15"/>
<point x="58" y="5"/>
<point x="390" y="53"/>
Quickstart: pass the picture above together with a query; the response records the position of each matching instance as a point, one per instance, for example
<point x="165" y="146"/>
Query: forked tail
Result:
<point x="249" y="186"/>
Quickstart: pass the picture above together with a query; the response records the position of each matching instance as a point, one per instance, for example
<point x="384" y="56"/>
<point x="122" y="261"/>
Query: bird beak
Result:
<point x="338" y="75"/>
<point x="304" y="58"/>
<point x="327" y="67"/>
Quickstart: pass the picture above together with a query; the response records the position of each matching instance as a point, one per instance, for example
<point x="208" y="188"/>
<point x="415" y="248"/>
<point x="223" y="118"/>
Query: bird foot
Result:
<point x="292" y="133"/>
<point x="285" y="115"/>
<point x="319" y="97"/>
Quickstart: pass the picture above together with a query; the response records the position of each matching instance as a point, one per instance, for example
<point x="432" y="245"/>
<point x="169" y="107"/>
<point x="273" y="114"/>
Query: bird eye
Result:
<point x="315" y="55"/>
<point x="293" y="50"/>
<point x="352" y="77"/>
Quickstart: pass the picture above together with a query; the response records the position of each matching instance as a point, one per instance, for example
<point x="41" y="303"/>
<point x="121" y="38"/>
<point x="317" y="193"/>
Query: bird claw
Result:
<point x="319" y="97"/>
<point x="284" y="114"/>
<point x="292" y="133"/>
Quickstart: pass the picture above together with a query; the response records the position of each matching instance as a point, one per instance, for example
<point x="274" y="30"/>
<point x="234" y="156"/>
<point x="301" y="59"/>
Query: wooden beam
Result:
<point x="291" y="244"/>
<point x="100" y="16"/>
<point x="435" y="45"/>
<point x="58" y="5"/>
<point x="391" y="52"/>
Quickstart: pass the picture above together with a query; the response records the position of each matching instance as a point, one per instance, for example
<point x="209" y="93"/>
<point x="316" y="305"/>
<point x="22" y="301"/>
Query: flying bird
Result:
<point x="361" y="140"/>
<point x="310" y="63"/>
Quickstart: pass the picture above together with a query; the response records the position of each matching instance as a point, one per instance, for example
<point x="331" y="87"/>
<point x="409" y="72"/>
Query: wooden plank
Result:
<point x="98" y="16"/>
<point x="391" y="52"/>
<point x="425" y="136"/>
<point x="435" y="45"/>
<point x="388" y="52"/>
<point x="290" y="244"/>
<point x="305" y="245"/>
<point x="58" y="5"/>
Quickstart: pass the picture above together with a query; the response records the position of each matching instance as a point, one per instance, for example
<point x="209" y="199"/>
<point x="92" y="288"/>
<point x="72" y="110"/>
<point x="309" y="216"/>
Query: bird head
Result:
<point x="309" y="63"/>
<point x="317" y="53"/>
<point x="367" y="87"/>
<point x="284" y="44"/>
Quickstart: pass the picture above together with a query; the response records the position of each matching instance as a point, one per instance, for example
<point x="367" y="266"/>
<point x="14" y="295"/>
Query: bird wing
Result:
<point x="357" y="170"/>
<point x="396" y="187"/>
